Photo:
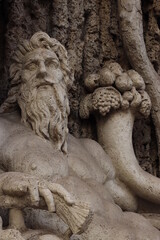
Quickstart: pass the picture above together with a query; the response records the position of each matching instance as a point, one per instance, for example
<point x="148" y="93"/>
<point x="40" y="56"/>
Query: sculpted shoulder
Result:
<point x="9" y="123"/>
<point x="11" y="128"/>
<point x="9" y="118"/>
<point x="22" y="150"/>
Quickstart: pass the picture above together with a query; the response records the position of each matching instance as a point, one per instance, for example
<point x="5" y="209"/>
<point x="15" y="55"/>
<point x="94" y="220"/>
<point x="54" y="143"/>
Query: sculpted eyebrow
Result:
<point x="52" y="59"/>
<point x="31" y="61"/>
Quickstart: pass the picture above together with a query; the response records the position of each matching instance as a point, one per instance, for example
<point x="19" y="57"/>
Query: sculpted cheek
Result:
<point x="57" y="74"/>
<point x="26" y="75"/>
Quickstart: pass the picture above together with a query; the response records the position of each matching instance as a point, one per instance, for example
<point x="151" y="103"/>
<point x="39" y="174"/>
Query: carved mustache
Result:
<point x="45" y="81"/>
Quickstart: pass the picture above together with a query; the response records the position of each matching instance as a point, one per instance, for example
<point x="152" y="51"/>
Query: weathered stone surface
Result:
<point x="46" y="167"/>
<point x="90" y="32"/>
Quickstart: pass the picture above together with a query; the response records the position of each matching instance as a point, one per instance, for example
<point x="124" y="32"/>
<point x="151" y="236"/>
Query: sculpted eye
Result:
<point x="52" y="64"/>
<point x="31" y="66"/>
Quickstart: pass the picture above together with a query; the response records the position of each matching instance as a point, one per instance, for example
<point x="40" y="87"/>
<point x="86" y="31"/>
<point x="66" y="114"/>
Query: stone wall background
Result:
<point x="89" y="29"/>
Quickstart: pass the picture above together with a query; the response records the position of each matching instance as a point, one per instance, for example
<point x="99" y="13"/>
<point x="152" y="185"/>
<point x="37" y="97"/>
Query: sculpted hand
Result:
<point x="20" y="190"/>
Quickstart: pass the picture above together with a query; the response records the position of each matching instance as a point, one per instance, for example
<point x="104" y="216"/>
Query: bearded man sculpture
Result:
<point x="35" y="142"/>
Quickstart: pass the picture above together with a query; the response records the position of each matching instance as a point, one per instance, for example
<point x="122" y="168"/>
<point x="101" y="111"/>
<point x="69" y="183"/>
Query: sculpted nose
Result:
<point x="42" y="70"/>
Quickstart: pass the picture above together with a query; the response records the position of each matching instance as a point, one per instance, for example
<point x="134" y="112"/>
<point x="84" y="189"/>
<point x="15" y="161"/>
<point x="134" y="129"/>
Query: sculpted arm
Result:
<point x="37" y="167"/>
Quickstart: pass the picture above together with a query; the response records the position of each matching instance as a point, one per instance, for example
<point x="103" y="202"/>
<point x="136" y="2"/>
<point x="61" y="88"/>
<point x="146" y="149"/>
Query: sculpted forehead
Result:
<point x="40" y="54"/>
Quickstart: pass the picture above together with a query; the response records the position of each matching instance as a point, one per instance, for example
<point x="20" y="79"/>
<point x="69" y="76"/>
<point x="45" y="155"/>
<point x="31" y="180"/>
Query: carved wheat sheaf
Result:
<point x="77" y="216"/>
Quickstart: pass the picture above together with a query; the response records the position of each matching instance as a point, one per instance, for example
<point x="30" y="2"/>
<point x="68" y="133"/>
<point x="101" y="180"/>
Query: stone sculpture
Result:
<point x="36" y="147"/>
<point x="118" y="98"/>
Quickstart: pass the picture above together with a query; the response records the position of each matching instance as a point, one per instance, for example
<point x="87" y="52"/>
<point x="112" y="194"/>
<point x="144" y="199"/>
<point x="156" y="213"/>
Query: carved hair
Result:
<point x="38" y="40"/>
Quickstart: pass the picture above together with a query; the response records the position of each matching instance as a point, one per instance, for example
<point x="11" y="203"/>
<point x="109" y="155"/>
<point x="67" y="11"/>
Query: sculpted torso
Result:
<point x="27" y="152"/>
<point x="80" y="172"/>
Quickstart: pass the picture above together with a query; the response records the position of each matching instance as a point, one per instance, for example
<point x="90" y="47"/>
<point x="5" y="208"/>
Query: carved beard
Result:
<point x="45" y="109"/>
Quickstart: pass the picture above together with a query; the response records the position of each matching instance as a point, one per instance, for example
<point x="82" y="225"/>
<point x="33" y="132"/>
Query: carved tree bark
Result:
<point x="130" y="16"/>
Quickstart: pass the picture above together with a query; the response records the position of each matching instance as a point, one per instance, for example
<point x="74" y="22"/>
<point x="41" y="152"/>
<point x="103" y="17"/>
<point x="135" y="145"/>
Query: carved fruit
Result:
<point x="123" y="83"/>
<point x="136" y="98"/>
<point x="145" y="107"/>
<point x="114" y="67"/>
<point x="86" y="106"/>
<point x="128" y="96"/>
<point x="125" y="104"/>
<point x="103" y="99"/>
<point x="107" y="78"/>
<point x="137" y="80"/>
<point x="92" y="82"/>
